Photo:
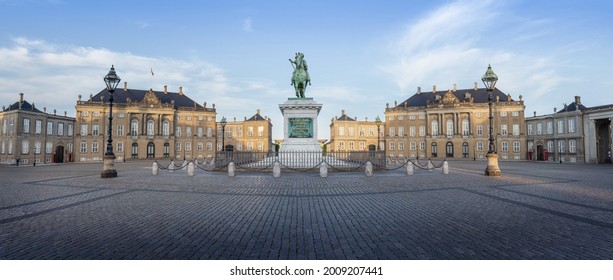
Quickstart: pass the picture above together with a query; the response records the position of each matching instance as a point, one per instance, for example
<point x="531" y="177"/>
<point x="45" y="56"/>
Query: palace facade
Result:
<point x="349" y="134"/>
<point x="31" y="136"/>
<point x="454" y="124"/>
<point x="146" y="124"/>
<point x="253" y="134"/>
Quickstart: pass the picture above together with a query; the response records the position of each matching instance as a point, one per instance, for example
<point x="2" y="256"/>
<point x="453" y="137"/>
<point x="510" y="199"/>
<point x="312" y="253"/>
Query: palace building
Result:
<point x="349" y="134"/>
<point x="146" y="124"/>
<point x="253" y="134"/>
<point x="30" y="136"/>
<point x="454" y="124"/>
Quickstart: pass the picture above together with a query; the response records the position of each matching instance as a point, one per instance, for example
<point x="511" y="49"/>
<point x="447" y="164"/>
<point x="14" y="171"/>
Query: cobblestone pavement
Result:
<point x="534" y="211"/>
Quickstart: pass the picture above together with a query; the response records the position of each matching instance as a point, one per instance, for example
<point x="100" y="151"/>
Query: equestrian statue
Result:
<point x="300" y="76"/>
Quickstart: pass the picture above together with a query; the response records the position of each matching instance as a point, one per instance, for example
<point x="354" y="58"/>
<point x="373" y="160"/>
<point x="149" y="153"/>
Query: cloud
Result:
<point x="454" y="44"/>
<point x="248" y="24"/>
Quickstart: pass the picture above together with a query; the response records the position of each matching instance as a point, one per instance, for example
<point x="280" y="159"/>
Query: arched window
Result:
<point x="134" y="150"/>
<point x="166" y="150"/>
<point x="134" y="128"/>
<point x="433" y="149"/>
<point x="449" y="127"/>
<point x="434" y="128"/>
<point x="465" y="128"/>
<point x="465" y="150"/>
<point x="165" y="128"/>
<point x="149" y="127"/>
<point x="150" y="150"/>
<point x="449" y="149"/>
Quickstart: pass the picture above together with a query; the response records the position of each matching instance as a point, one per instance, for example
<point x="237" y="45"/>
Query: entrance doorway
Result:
<point x="59" y="154"/>
<point x="449" y="149"/>
<point x="150" y="150"/>
<point x="540" y="152"/>
<point x="603" y="144"/>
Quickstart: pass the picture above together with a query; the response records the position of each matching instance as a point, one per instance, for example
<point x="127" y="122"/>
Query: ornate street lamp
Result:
<point x="223" y="123"/>
<point x="489" y="80"/>
<point x="378" y="123"/>
<point x="108" y="171"/>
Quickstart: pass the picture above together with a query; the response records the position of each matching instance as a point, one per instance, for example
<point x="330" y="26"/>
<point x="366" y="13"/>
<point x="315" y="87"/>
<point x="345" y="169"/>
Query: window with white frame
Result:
<point x="94" y="147"/>
<point x="479" y="146"/>
<point x="550" y="127"/>
<point x="515" y="129"/>
<point x="371" y="131"/>
<point x="178" y="146"/>
<point x="188" y="146"/>
<point x="392" y="131"/>
<point x="422" y="145"/>
<point x="561" y="146"/>
<point x="449" y="127"/>
<point x="479" y="114"/>
<point x="529" y="129"/>
<point x="504" y="130"/>
<point x="571" y="127"/>
<point x="150" y="127"/>
<point x="10" y="147"/>
<point x="505" y="146"/>
<point x="341" y="145"/>
<point x="412" y="131"/>
<point x="120" y="130"/>
<point x="572" y="146"/>
<point x="260" y="146"/>
<point x="516" y="146"/>
<point x="49" y="148"/>
<point x="120" y="147"/>
<point x="401" y="131"/>
<point x="37" y="147"/>
<point x="83" y="147"/>
<point x="362" y="146"/>
<point x="11" y="126"/>
<point x="49" y="128"/>
<point x="539" y="129"/>
<point x="361" y="132"/>
<point x="422" y="130"/>
<point x="503" y="114"/>
<point x="26" y="126"/>
<point x="60" y="128"/>
<point x="4" y="126"/>
<point x="250" y="131"/>
<point x="38" y="126"/>
<point x="392" y="146"/>
<point x="261" y="131"/>
<point x="465" y="128"/>
<point x="199" y="133"/>
<point x="95" y="129"/>
<point x="188" y="131"/>
<point x="341" y="131"/>
<point x="209" y="132"/>
<point x="560" y="126"/>
<point x="209" y="146"/>
<point x="515" y="114"/>
<point x="479" y="130"/>
<point x="351" y="146"/>
<point x="550" y="146"/>
<point x="249" y="146"/>
<point x="3" y="147"/>
<point x="200" y="146"/>
<point x="25" y="147"/>
<point x="434" y="128"/>
<point x="96" y="114"/>
<point x="134" y="128"/>
<point x="400" y="146"/>
<point x="178" y="131"/>
<point x="239" y="131"/>
<point x="413" y="145"/>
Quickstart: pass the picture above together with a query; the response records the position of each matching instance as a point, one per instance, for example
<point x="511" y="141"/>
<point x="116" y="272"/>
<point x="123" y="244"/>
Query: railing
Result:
<point x="301" y="160"/>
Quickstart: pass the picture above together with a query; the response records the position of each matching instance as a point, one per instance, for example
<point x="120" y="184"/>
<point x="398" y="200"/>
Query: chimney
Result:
<point x="180" y="90"/>
<point x="234" y="119"/>
<point x="497" y="99"/>
<point x="366" y="118"/>
<point x="418" y="90"/>
<point x="204" y="104"/>
<point x="79" y="97"/>
<point x="555" y="109"/>
<point x="434" y="89"/>
<point x="54" y="111"/>
<point x="535" y="113"/>
<point x="125" y="86"/>
<point x="257" y="111"/>
<point x="33" y="107"/>
<point x="577" y="100"/>
<point x="21" y="98"/>
<point x="454" y="87"/>
<point x="45" y="110"/>
<point x="165" y="89"/>
<point x="343" y="112"/>
<point x="245" y="118"/>
<point x="476" y="86"/>
<point x="64" y="113"/>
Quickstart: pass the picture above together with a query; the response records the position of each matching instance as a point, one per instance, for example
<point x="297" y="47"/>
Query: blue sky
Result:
<point x="361" y="54"/>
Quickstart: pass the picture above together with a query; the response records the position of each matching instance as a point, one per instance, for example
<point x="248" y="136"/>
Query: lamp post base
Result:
<point x="492" y="165"/>
<point x="108" y="170"/>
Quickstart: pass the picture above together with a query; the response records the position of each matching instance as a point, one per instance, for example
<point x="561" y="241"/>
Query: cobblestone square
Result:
<point x="534" y="211"/>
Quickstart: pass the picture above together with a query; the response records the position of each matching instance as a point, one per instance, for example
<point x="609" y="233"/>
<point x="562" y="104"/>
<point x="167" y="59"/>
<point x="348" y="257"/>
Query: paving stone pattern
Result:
<point x="534" y="211"/>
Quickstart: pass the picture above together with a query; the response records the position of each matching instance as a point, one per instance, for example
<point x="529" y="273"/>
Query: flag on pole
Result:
<point x="152" y="72"/>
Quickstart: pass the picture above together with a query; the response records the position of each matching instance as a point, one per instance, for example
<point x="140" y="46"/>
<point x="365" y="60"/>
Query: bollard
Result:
<point x="190" y="169"/>
<point x="231" y="169"/>
<point x="368" y="171"/>
<point x="276" y="169"/>
<point x="323" y="170"/>
<point x="430" y="166"/>
<point x="154" y="168"/>
<point x="171" y="166"/>
<point x="410" y="168"/>
<point x="445" y="168"/>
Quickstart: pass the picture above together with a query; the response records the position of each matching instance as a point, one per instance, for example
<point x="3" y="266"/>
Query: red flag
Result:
<point x="152" y="72"/>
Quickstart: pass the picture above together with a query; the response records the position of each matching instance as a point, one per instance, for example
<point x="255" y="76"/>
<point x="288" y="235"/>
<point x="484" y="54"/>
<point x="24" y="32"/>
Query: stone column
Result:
<point x="410" y="168"/>
<point x="190" y="168"/>
<point x="231" y="169"/>
<point x="154" y="169"/>
<point x="368" y="171"/>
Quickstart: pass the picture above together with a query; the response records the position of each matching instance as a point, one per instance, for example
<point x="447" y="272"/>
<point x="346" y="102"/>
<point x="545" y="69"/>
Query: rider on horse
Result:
<point x="300" y="76"/>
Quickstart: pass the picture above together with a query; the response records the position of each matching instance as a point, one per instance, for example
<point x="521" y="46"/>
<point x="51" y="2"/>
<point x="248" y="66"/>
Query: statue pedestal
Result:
<point x="300" y="125"/>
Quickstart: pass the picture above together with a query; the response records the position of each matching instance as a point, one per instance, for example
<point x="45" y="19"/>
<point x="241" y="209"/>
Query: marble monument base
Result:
<point x="300" y="125"/>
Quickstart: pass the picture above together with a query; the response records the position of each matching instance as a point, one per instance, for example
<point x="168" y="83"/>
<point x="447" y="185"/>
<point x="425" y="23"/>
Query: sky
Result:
<point x="361" y="54"/>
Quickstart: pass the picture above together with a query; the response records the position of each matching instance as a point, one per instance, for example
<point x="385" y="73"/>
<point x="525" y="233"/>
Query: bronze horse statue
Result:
<point x="300" y="76"/>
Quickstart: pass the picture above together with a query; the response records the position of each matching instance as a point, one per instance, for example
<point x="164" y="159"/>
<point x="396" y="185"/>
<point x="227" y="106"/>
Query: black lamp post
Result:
<point x="378" y="123"/>
<point x="489" y="80"/>
<point x="223" y="123"/>
<point x="111" y="80"/>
